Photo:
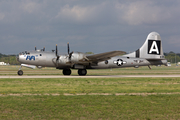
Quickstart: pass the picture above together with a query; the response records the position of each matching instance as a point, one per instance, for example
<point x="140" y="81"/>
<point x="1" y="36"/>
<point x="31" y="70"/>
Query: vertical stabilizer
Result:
<point x="151" y="49"/>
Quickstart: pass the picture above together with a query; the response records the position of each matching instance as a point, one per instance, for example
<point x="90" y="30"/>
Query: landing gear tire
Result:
<point x="66" y="72"/>
<point x="82" y="72"/>
<point x="20" y="72"/>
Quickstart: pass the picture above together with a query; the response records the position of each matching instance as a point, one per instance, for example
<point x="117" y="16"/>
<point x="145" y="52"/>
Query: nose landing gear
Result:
<point x="20" y="72"/>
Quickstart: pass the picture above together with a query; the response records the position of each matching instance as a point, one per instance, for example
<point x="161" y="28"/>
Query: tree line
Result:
<point x="11" y="59"/>
<point x="172" y="57"/>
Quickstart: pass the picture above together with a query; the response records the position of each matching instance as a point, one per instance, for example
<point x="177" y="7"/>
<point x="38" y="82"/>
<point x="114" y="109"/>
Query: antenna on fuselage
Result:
<point x="44" y="49"/>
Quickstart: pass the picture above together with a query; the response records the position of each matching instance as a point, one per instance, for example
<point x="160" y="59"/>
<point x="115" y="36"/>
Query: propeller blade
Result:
<point x="57" y="58"/>
<point x="70" y="55"/>
<point x="44" y="49"/>
<point x="35" y="48"/>
<point x="57" y="53"/>
<point x="56" y="50"/>
<point x="68" y="47"/>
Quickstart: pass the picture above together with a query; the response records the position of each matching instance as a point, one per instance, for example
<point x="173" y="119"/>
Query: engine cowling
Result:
<point x="66" y="60"/>
<point x="77" y="56"/>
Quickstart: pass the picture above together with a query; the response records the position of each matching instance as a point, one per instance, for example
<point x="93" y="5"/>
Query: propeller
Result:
<point x="70" y="54"/>
<point x="35" y="48"/>
<point x="68" y="47"/>
<point x="57" y="53"/>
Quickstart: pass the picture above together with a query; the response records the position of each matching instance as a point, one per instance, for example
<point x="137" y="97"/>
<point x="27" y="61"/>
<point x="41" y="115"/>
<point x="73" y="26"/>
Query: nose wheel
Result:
<point x="20" y="72"/>
<point x="82" y="72"/>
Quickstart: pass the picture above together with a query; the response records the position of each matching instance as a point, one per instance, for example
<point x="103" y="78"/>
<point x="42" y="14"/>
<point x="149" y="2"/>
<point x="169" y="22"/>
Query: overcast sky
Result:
<point x="88" y="25"/>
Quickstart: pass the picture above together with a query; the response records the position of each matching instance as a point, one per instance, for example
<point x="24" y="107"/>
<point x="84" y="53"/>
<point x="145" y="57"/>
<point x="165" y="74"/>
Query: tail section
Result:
<point x="151" y="49"/>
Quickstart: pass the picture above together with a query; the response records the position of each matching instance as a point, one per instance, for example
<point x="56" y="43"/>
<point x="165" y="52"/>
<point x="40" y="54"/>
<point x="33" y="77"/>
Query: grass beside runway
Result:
<point x="30" y="105"/>
<point x="89" y="85"/>
<point x="90" y="107"/>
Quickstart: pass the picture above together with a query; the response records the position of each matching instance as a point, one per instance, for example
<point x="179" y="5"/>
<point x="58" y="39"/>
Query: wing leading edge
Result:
<point x="104" y="56"/>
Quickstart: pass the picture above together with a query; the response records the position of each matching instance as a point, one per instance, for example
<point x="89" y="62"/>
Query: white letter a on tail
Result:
<point x="154" y="48"/>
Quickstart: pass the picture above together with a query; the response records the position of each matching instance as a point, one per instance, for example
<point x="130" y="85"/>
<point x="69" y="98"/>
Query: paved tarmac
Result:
<point x="98" y="76"/>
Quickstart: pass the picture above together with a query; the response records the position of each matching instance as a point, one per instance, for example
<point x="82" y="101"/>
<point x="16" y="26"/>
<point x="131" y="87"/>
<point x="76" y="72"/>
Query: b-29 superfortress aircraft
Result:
<point x="151" y="53"/>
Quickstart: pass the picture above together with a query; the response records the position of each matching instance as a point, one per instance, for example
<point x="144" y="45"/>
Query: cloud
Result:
<point x="30" y="6"/>
<point x="174" y="40"/>
<point x="76" y="12"/>
<point x="146" y="12"/>
<point x="102" y="23"/>
<point x="85" y="14"/>
<point x="2" y="16"/>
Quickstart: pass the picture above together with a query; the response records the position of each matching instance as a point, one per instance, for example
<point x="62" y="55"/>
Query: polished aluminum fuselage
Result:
<point x="49" y="59"/>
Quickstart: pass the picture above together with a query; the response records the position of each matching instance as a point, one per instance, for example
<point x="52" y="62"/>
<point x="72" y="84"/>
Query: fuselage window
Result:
<point x="40" y="54"/>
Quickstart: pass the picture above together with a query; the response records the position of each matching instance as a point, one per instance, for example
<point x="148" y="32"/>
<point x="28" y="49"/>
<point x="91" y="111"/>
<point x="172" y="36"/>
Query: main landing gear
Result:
<point x="81" y="72"/>
<point x="66" y="72"/>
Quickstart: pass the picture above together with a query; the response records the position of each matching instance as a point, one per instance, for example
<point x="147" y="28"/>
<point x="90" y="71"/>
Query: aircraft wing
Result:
<point x="104" y="56"/>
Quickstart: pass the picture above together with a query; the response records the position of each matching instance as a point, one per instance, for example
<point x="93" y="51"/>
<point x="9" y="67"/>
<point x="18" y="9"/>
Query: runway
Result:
<point x="98" y="76"/>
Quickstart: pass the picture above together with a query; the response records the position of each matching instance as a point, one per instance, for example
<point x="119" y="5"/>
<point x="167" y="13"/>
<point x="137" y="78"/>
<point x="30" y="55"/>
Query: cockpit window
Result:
<point x="24" y="53"/>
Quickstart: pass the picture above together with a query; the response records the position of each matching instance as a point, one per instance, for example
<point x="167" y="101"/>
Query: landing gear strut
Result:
<point x="82" y="72"/>
<point x="66" y="72"/>
<point x="20" y="72"/>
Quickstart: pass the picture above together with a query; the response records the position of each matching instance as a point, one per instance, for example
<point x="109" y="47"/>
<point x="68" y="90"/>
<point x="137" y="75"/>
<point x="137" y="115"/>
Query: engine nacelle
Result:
<point x="68" y="60"/>
<point x="63" y="59"/>
<point x="77" y="56"/>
